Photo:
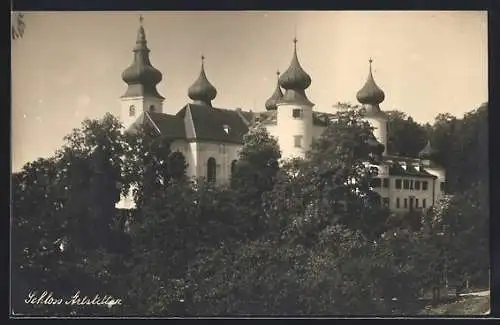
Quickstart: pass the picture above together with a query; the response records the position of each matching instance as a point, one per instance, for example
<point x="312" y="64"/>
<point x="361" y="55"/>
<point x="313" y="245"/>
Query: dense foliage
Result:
<point x="305" y="236"/>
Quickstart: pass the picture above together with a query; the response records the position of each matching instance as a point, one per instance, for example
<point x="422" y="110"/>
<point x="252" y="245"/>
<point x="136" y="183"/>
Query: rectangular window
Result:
<point x="425" y="185"/>
<point x="411" y="185"/>
<point x="386" y="183"/>
<point x="297" y="113"/>
<point x="424" y="205"/>
<point x="441" y="186"/>
<point x="417" y="185"/>
<point x="297" y="141"/>
<point x="376" y="183"/>
<point x="416" y="203"/>
<point x="397" y="203"/>
<point x="405" y="203"/>
<point x="385" y="201"/>
<point x="406" y="184"/>
<point x="398" y="183"/>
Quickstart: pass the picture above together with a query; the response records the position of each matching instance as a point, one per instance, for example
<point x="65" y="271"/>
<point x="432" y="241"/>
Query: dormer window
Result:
<point x="226" y="128"/>
<point x="131" y="110"/>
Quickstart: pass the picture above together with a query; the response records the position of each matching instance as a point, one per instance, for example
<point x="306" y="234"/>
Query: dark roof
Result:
<point x="370" y="93"/>
<point x="205" y="123"/>
<point x="138" y="90"/>
<point x="202" y="90"/>
<point x="294" y="96"/>
<point x="170" y="125"/>
<point x="396" y="169"/>
<point x="295" y="77"/>
<point x="141" y="77"/>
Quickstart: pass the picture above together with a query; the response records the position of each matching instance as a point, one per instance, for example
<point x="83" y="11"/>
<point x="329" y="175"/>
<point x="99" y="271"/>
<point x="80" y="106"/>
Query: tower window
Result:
<point x="211" y="170"/>
<point x="424" y="204"/>
<point x="152" y="108"/>
<point x="297" y="113"/>
<point x="425" y="185"/>
<point x="416" y="203"/>
<point x="405" y="203"/>
<point x="386" y="183"/>
<point x="397" y="203"/>
<point x="131" y="110"/>
<point x="417" y="185"/>
<point x="297" y="141"/>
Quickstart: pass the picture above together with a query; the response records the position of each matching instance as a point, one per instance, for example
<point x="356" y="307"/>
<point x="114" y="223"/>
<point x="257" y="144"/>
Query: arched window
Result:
<point x="152" y="108"/>
<point x="211" y="170"/>
<point x="233" y="167"/>
<point x="131" y="110"/>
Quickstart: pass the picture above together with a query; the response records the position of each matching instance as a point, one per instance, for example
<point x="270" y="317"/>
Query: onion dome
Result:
<point x="276" y="96"/>
<point x="295" y="81"/>
<point x="370" y="93"/>
<point x="295" y="77"/>
<point x="428" y="152"/>
<point x="202" y="91"/>
<point x="141" y="76"/>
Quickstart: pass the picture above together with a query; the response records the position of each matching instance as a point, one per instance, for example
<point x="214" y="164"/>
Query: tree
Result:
<point x="405" y="136"/>
<point x="255" y="174"/>
<point x="71" y="199"/>
<point x="38" y="229"/>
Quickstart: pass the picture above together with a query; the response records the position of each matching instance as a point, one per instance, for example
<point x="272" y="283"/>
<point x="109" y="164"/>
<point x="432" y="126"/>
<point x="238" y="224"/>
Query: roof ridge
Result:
<point x="152" y="121"/>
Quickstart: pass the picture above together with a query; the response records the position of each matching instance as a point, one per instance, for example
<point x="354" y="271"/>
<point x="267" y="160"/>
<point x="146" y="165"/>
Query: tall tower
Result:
<point x="294" y="110"/>
<point x="202" y="92"/>
<point x="370" y="96"/>
<point x="141" y="78"/>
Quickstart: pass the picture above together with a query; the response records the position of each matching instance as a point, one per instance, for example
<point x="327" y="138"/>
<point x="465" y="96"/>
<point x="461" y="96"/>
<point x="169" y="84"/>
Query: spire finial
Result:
<point x="141" y="19"/>
<point x="202" y="59"/>
<point x="370" y="60"/>
<point x="278" y="73"/>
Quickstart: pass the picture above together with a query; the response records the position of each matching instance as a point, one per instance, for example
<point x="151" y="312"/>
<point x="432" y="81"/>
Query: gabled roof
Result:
<point x="199" y="122"/>
<point x="169" y="124"/>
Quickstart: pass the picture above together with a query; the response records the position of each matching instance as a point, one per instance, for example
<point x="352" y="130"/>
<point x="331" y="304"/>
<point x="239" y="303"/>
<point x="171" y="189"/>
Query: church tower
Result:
<point x="202" y="92"/>
<point x="294" y="119"/>
<point x="370" y="96"/>
<point x="141" y="78"/>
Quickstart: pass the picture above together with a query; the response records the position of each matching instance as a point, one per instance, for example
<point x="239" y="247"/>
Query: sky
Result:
<point x="68" y="65"/>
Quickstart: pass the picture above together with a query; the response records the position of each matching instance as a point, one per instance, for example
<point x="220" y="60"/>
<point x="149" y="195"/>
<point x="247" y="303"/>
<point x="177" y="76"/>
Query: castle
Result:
<point x="210" y="137"/>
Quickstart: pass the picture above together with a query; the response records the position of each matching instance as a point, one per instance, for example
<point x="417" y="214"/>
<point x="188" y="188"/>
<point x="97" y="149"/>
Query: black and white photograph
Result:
<point x="249" y="163"/>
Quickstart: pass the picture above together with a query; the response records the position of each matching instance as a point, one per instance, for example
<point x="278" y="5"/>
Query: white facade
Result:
<point x="197" y="155"/>
<point x="294" y="129"/>
<point x="132" y="107"/>
<point x="379" y="125"/>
